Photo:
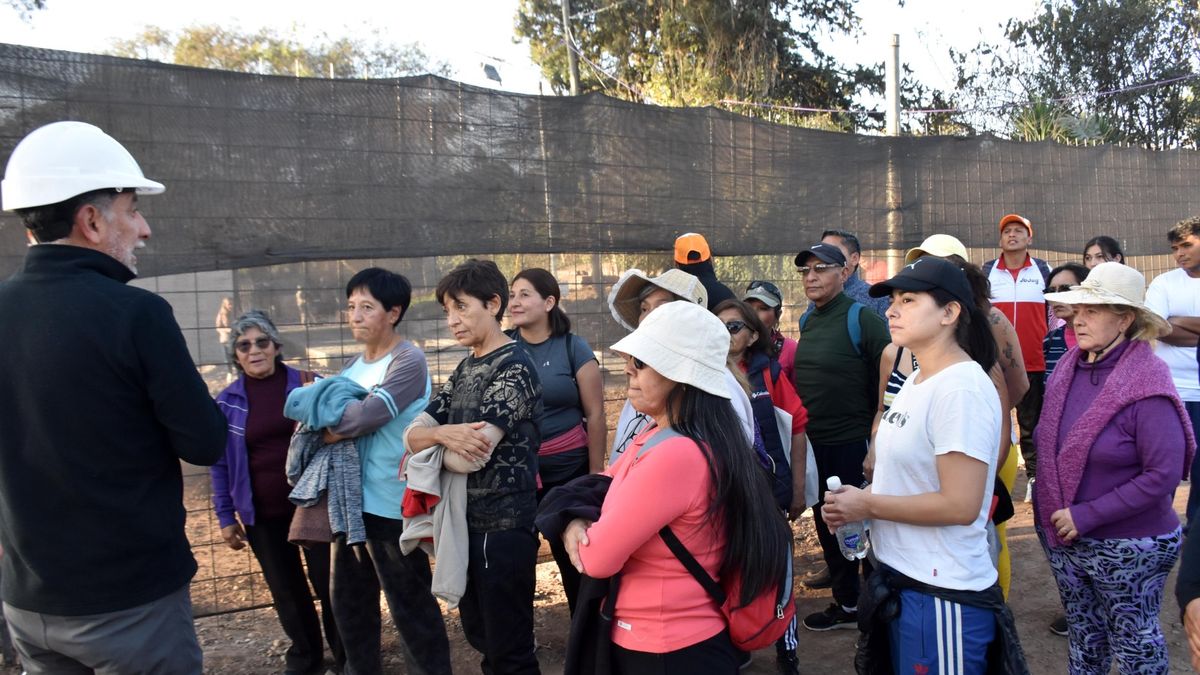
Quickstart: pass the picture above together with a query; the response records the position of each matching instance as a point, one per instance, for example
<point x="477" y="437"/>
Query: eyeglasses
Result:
<point x="1056" y="289"/>
<point x="823" y="267"/>
<point x="734" y="327"/>
<point x="243" y="346"/>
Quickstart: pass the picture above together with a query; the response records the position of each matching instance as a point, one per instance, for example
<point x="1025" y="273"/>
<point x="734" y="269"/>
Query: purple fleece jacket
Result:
<point x="1115" y="442"/>
<point x="231" y="474"/>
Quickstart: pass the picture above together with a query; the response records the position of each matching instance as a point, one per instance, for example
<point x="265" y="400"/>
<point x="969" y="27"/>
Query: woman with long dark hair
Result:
<point x="1098" y="250"/>
<point x="751" y="348"/>
<point x="572" y="425"/>
<point x="935" y="464"/>
<point x="701" y="479"/>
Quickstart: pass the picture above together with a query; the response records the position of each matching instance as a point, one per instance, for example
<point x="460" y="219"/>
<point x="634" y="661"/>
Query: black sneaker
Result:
<point x="833" y="617"/>
<point x="787" y="664"/>
<point x="1059" y="626"/>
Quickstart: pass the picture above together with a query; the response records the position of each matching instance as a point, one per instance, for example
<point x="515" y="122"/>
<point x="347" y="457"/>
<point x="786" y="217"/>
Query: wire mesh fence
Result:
<point x="279" y="189"/>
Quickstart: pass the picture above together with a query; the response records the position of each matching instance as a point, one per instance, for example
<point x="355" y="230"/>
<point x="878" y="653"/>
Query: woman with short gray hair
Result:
<point x="250" y="485"/>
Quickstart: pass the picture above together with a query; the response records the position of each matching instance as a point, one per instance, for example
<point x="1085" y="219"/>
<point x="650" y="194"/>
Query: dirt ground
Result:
<point x="252" y="642"/>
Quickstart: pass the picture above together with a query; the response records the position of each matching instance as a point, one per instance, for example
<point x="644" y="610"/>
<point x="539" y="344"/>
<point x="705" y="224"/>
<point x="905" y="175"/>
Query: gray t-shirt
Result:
<point x="561" y="409"/>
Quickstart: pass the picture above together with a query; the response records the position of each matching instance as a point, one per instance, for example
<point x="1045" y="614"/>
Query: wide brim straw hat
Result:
<point x="940" y="245"/>
<point x="683" y="342"/>
<point x="1113" y="283"/>
<point x="623" y="298"/>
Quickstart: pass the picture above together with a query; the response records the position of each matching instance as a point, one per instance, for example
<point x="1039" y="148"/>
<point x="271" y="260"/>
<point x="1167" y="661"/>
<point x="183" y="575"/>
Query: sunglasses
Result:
<point x="243" y="346"/>
<point x="823" y="267"/>
<point x="766" y="286"/>
<point x="1056" y="289"/>
<point x="734" y="327"/>
<point x="638" y="364"/>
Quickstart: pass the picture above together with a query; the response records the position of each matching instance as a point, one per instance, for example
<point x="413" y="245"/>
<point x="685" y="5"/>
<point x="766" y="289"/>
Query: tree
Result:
<point x="269" y="53"/>
<point x="701" y="52"/>
<point x="24" y="8"/>
<point x="1105" y="69"/>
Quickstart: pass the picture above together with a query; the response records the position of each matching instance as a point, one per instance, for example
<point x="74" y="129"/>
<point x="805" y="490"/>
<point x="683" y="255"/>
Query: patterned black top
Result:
<point x="500" y="388"/>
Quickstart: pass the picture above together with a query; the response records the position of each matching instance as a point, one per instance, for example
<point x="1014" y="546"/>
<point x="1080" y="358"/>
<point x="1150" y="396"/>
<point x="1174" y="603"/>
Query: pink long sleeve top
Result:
<point x="660" y="607"/>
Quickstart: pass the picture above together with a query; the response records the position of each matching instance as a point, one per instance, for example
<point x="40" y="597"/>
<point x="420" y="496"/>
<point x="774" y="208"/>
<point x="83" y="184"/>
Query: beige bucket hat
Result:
<point x="623" y="298"/>
<point x="1113" y="283"/>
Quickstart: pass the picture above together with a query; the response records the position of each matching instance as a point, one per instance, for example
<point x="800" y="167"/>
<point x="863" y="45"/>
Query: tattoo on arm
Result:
<point x="1008" y="354"/>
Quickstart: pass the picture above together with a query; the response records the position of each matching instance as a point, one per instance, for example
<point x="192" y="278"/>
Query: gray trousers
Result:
<point x="156" y="638"/>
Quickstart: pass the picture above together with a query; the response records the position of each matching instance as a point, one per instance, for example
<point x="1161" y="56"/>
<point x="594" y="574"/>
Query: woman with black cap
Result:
<point x="936" y="458"/>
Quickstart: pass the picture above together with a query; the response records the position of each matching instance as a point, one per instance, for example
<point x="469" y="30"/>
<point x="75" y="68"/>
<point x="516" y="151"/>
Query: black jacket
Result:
<point x="716" y="290"/>
<point x="99" y="402"/>
<point x="1187" y="585"/>
<point x="879" y="604"/>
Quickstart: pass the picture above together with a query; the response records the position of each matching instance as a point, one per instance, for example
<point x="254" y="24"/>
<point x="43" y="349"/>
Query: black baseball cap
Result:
<point x="925" y="274"/>
<point x="823" y="252"/>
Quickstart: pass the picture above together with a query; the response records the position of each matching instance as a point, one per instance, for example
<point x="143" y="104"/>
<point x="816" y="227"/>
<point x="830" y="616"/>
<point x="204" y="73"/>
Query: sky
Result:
<point x="470" y="33"/>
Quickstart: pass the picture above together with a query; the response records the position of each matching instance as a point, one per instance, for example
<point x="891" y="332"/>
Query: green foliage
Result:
<point x="270" y="53"/>
<point x="701" y="52"/>
<point x="1086" y="62"/>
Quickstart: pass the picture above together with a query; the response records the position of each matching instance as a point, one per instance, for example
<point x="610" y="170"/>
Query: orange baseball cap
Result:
<point x="690" y="245"/>
<point x="1014" y="218"/>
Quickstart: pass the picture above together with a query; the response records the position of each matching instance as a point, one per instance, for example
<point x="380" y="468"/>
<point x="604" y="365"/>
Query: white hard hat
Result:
<point x="65" y="159"/>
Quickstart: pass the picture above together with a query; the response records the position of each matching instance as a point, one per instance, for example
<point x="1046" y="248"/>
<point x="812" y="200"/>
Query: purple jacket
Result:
<point x="1115" y="441"/>
<point x="231" y="474"/>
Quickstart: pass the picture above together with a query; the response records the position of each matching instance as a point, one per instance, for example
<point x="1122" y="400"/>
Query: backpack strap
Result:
<point x="662" y="435"/>
<point x="987" y="268"/>
<point x="854" y="327"/>
<point x="1043" y="268"/>
<point x="689" y="561"/>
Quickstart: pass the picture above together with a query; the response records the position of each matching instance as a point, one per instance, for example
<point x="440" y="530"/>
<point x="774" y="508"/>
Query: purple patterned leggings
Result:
<point x="1112" y="590"/>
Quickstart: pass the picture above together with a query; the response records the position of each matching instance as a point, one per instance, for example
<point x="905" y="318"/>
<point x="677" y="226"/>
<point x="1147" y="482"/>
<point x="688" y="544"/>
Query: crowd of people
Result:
<point x="891" y="411"/>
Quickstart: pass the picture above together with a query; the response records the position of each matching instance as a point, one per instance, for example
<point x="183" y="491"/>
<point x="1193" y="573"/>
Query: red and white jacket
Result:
<point x="1018" y="294"/>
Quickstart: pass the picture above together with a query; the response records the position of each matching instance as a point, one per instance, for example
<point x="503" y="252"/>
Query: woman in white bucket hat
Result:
<point x="1118" y="442"/>
<point x="692" y="470"/>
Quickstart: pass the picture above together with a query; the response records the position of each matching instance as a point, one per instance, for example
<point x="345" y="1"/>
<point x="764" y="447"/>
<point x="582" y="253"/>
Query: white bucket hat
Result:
<point x="623" y="298"/>
<point x="683" y="342"/>
<point x="1113" y="283"/>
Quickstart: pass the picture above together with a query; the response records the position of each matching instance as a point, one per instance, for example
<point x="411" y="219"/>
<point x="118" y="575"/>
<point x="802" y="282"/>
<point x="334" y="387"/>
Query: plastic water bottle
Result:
<point x="852" y="537"/>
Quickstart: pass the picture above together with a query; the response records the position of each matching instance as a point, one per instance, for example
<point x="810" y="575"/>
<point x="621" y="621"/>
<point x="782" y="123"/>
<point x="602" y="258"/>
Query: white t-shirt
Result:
<point x="956" y="410"/>
<point x="369" y="374"/>
<point x="630" y="423"/>
<point x="1175" y="293"/>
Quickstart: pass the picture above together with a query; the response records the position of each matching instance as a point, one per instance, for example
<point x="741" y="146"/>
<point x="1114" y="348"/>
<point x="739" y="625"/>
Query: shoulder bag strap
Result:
<point x="714" y="589"/>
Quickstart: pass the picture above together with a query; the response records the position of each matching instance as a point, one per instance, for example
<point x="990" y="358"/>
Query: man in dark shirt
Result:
<point x="99" y="403"/>
<point x="836" y="376"/>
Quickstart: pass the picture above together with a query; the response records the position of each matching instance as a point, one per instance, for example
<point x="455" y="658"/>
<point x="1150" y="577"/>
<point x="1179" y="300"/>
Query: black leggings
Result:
<point x="714" y="656"/>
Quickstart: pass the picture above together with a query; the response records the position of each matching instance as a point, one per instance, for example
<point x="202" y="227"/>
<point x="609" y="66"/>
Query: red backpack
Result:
<point x="751" y="626"/>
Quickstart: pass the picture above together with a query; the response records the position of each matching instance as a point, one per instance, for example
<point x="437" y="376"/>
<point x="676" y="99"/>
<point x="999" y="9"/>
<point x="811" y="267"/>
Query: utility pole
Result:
<point x="572" y="57"/>
<point x="893" y="188"/>
<point x="892" y="85"/>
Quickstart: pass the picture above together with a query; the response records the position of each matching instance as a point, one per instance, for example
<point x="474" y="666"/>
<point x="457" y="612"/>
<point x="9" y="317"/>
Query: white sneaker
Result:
<point x="1029" y="491"/>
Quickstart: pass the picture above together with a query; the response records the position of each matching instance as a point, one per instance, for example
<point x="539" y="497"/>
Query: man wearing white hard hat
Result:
<point x="99" y="402"/>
